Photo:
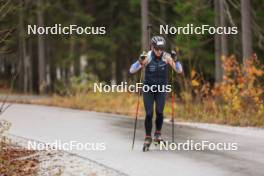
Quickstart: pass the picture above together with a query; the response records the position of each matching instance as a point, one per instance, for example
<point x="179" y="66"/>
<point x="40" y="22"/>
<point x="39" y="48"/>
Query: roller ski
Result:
<point x="157" y="138"/>
<point x="147" y="143"/>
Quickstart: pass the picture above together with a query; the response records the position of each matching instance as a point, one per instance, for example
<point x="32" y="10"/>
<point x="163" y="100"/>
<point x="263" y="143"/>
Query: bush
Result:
<point x="237" y="100"/>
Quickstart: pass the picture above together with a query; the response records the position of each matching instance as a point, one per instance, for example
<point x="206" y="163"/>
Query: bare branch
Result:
<point x="228" y="14"/>
<point x="6" y="35"/>
<point x="4" y="5"/>
<point x="5" y="11"/>
<point x="236" y="5"/>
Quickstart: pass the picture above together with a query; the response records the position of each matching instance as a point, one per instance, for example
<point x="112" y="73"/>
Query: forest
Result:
<point x="54" y="52"/>
<point x="227" y="66"/>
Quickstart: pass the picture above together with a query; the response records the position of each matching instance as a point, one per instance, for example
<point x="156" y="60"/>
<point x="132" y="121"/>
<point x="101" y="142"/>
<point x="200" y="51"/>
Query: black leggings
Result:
<point x="149" y="99"/>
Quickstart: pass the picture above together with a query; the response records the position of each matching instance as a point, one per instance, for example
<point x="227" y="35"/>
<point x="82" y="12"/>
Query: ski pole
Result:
<point x="137" y="109"/>
<point x="174" y="56"/>
<point x="149" y="26"/>
<point x="149" y="34"/>
<point x="172" y="107"/>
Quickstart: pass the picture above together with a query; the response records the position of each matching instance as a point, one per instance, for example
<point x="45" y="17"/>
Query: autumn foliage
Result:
<point x="237" y="100"/>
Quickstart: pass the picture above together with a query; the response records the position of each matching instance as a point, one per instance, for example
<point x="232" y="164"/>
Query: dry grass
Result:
<point x="238" y="100"/>
<point x="125" y="103"/>
<point x="117" y="103"/>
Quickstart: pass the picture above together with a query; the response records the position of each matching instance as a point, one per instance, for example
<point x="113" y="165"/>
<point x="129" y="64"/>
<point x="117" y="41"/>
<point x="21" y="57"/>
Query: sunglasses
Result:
<point x="158" y="49"/>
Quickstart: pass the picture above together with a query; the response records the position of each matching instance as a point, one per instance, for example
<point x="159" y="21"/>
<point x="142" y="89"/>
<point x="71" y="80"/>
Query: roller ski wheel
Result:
<point x="157" y="138"/>
<point x="147" y="143"/>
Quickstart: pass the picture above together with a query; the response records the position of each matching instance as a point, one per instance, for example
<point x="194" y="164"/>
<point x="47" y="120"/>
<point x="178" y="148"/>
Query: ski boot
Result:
<point x="157" y="138"/>
<point x="147" y="143"/>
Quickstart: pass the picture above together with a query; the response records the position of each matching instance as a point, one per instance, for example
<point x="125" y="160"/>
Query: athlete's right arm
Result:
<point x="135" y="67"/>
<point x="141" y="62"/>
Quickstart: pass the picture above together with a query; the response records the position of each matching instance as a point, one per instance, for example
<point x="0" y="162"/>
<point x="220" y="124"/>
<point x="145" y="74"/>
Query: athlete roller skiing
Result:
<point x="156" y="63"/>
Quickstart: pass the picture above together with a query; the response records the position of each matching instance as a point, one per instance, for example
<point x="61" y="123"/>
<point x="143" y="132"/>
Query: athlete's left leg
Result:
<point x="160" y="99"/>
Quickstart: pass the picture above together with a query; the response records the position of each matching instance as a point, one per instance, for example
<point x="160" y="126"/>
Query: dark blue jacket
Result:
<point x="156" y="71"/>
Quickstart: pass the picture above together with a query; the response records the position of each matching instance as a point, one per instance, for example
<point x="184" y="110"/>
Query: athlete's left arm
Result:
<point x="176" y="65"/>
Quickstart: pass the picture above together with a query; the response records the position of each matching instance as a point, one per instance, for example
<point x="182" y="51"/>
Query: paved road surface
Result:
<point x="48" y="124"/>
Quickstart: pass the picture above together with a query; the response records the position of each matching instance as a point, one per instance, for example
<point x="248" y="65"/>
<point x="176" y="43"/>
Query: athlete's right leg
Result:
<point x="148" y="98"/>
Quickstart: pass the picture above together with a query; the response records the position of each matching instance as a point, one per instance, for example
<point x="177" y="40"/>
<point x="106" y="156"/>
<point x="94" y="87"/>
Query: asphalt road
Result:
<point x="48" y="124"/>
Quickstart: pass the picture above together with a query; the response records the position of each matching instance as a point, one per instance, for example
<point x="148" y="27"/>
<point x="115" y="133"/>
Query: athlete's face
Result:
<point x="157" y="51"/>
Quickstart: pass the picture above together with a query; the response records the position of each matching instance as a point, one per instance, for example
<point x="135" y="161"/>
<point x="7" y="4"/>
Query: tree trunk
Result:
<point x="53" y="77"/>
<point x="217" y="43"/>
<point x="118" y="68"/>
<point x="246" y="29"/>
<point x="30" y="69"/>
<point x="74" y="56"/>
<point x="144" y="24"/>
<point x="224" y="46"/>
<point x="163" y="16"/>
<point x="34" y="61"/>
<point x="41" y="52"/>
<point x="22" y="75"/>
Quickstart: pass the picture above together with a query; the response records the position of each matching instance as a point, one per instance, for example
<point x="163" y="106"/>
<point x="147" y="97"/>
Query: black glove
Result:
<point x="174" y="55"/>
<point x="142" y="57"/>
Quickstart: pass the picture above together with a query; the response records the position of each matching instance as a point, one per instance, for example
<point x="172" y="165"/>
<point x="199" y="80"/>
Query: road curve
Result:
<point x="48" y="124"/>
